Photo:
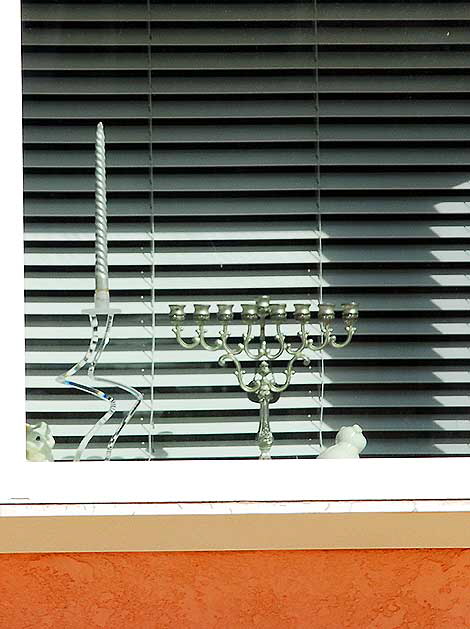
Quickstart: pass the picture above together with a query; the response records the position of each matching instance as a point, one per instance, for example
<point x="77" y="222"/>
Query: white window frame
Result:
<point x="289" y="481"/>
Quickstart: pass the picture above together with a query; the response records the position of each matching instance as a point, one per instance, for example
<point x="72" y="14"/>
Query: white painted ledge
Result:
<point x="234" y="526"/>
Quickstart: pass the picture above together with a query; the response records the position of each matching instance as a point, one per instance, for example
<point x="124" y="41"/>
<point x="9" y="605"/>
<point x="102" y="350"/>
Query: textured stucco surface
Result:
<point x="384" y="589"/>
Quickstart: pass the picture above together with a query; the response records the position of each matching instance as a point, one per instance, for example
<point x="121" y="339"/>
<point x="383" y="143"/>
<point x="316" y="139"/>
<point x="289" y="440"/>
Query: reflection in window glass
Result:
<point x="309" y="151"/>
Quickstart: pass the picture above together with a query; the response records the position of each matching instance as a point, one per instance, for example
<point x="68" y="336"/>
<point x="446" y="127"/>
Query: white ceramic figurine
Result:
<point x="39" y="442"/>
<point x="349" y="443"/>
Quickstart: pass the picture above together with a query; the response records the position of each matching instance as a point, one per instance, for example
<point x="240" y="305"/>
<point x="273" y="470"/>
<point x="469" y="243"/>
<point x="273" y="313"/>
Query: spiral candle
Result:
<point x="101" y="223"/>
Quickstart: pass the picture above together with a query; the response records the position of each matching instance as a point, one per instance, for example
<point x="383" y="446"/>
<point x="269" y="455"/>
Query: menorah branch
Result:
<point x="337" y="345"/>
<point x="224" y="336"/>
<point x="251" y="387"/>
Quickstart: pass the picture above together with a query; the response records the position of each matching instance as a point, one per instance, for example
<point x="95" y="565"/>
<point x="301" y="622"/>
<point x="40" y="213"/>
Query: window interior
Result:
<point x="315" y="153"/>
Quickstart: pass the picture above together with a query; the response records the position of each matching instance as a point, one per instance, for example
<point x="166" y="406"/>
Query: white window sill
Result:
<point x="234" y="526"/>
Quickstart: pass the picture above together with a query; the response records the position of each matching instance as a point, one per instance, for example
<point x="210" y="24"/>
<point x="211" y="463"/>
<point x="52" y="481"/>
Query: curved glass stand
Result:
<point x="98" y="343"/>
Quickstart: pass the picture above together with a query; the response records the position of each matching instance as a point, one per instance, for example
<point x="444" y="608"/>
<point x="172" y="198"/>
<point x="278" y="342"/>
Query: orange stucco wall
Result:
<point x="380" y="589"/>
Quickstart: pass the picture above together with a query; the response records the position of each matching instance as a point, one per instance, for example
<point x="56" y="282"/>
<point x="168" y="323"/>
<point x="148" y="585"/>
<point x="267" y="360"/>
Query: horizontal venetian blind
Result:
<point x="233" y="127"/>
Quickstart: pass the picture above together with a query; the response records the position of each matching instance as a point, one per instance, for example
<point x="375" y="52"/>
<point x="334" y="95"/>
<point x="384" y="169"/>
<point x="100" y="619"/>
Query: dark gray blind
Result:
<point x="233" y="139"/>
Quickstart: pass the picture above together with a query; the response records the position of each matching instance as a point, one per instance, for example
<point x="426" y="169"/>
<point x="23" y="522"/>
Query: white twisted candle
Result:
<point x="101" y="223"/>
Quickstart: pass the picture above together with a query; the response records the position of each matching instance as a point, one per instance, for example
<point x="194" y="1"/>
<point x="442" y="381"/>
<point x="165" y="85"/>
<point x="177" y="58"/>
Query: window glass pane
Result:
<point x="309" y="151"/>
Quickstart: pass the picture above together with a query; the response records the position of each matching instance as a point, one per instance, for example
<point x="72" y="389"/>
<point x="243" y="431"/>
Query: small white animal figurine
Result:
<point x="39" y="442"/>
<point x="349" y="443"/>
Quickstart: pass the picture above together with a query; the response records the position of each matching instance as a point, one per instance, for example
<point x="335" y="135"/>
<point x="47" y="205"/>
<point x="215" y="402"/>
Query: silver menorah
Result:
<point x="262" y="387"/>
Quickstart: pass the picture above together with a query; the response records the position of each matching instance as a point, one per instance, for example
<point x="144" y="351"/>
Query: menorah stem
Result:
<point x="262" y="332"/>
<point x="265" y="436"/>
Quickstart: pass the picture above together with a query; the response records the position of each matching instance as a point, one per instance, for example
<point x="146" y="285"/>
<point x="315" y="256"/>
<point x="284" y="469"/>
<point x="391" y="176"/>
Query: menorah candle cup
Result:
<point x="326" y="313"/>
<point x="350" y="313"/>
<point x="302" y="312"/>
<point x="278" y="312"/>
<point x="201" y="313"/>
<point x="224" y="312"/>
<point x="263" y="306"/>
<point x="249" y="313"/>
<point x="177" y="312"/>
